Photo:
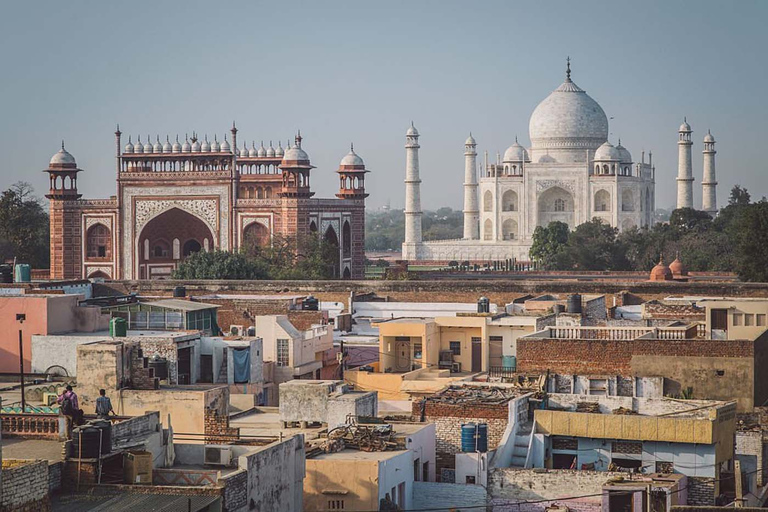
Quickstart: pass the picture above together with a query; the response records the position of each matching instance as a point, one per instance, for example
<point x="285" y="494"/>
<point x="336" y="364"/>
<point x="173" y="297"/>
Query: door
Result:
<point x="206" y="368"/>
<point x="719" y="322"/>
<point x="403" y="355"/>
<point x="185" y="365"/>
<point x="477" y="355"/>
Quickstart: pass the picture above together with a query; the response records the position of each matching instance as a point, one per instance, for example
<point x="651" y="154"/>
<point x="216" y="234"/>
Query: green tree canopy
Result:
<point x="548" y="243"/>
<point x="24" y="231"/>
<point x="219" y="264"/>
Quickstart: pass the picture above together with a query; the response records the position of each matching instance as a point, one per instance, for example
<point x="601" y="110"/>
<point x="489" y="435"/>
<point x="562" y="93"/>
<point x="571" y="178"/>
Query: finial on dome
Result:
<point x="685" y="119"/>
<point x="62" y="143"/>
<point x="234" y="128"/>
<point x="568" y="69"/>
<point x="352" y="147"/>
<point x="515" y="139"/>
<point x="118" y="132"/>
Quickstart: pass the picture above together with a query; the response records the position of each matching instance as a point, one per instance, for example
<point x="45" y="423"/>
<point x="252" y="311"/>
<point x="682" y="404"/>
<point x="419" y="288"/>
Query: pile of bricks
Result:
<point x="25" y="486"/>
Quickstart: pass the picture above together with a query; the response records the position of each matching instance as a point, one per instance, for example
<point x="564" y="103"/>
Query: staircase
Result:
<point x="222" y="379"/>
<point x="522" y="441"/>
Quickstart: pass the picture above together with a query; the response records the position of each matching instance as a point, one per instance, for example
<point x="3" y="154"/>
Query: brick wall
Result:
<point x="611" y="356"/>
<point x="448" y="419"/>
<point x="217" y="429"/>
<point x="25" y="486"/>
<point x="54" y="476"/>
<point x="750" y="444"/>
<point x="701" y="491"/>
<point x="235" y="490"/>
<point x="128" y="430"/>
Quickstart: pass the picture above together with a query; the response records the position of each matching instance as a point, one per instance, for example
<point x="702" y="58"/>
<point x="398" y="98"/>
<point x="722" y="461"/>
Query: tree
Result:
<point x="593" y="246"/>
<point x="687" y="219"/>
<point x="751" y="226"/>
<point x="219" y="264"/>
<point x="739" y="196"/>
<point x="548" y="243"/>
<point x="24" y="229"/>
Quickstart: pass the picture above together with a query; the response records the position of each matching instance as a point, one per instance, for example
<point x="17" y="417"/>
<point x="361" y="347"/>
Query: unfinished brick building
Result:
<point x="175" y="199"/>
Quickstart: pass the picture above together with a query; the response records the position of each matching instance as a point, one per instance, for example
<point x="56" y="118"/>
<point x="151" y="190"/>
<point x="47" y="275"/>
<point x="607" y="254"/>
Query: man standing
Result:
<point x="69" y="407"/>
<point x="103" y="405"/>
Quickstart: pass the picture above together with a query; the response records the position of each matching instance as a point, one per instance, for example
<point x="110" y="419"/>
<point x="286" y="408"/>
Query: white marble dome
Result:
<point x="607" y="152"/>
<point x="470" y="141"/>
<point x="63" y="157"/>
<point x="270" y="151"/>
<point x="625" y="156"/>
<point x="515" y="153"/>
<point x="128" y="147"/>
<point x="685" y="127"/>
<point x="709" y="137"/>
<point x="412" y="131"/>
<point x="352" y="158"/>
<point x="297" y="154"/>
<point x="568" y="118"/>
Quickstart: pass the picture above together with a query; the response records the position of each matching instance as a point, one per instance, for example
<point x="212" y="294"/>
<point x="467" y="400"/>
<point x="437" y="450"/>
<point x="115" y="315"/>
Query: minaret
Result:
<point x="471" y="212"/>
<point x="412" y="195"/>
<point x="684" y="167"/>
<point x="709" y="183"/>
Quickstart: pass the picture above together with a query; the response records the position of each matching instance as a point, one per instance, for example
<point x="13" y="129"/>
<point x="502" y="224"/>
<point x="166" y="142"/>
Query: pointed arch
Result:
<point x="509" y="229"/>
<point x="627" y="201"/>
<point x="602" y="201"/>
<point x="488" y="201"/>
<point x="99" y="242"/>
<point x="488" y="229"/>
<point x="509" y="201"/>
<point x="346" y="240"/>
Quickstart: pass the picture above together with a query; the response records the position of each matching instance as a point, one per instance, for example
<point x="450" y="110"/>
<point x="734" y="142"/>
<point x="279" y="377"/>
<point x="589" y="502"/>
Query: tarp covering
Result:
<point x="242" y="358"/>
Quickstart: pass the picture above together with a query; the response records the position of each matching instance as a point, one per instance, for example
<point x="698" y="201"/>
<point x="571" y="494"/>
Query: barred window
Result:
<point x="282" y="352"/>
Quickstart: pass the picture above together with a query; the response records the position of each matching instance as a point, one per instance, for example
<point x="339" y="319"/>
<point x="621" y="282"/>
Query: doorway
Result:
<point x="477" y="355"/>
<point x="403" y="354"/>
<point x="185" y="365"/>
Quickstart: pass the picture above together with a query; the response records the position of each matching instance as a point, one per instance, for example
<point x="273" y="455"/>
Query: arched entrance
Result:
<point x="332" y="239"/>
<point x="555" y="204"/>
<point x="159" y="242"/>
<point x="255" y="235"/>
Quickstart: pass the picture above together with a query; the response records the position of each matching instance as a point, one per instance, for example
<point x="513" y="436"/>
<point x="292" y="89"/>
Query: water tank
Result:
<point x="160" y="365"/>
<point x="6" y="274"/>
<point x="468" y="432"/>
<point x="483" y="305"/>
<point x="179" y="291"/>
<point x="310" y="304"/>
<point x="509" y="362"/>
<point x="105" y="426"/>
<point x="558" y="308"/>
<point x="482" y="437"/>
<point x="118" y="327"/>
<point x="23" y="273"/>
<point x="574" y="303"/>
<point x="87" y="439"/>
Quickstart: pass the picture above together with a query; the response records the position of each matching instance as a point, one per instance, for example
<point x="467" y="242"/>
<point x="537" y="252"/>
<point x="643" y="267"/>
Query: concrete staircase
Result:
<point x="222" y="379"/>
<point x="522" y="441"/>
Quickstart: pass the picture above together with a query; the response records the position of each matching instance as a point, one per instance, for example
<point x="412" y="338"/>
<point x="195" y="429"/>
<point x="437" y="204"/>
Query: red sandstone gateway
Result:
<point x="174" y="199"/>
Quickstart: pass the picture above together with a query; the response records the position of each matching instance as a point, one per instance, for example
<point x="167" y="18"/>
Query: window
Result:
<point x="99" y="242"/>
<point x="417" y="350"/>
<point x="749" y="319"/>
<point x="760" y="319"/>
<point x="335" y="504"/>
<point x="738" y="319"/>
<point x="401" y="495"/>
<point x="282" y="352"/>
<point x="416" y="470"/>
<point x="470" y="479"/>
<point x="455" y="347"/>
<point x="559" y="205"/>
<point x="425" y="471"/>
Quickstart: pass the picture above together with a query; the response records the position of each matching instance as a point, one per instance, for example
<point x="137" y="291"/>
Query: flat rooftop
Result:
<point x="183" y="305"/>
<point x="131" y="333"/>
<point x="357" y="455"/>
<point x="39" y="449"/>
<point x="487" y="395"/>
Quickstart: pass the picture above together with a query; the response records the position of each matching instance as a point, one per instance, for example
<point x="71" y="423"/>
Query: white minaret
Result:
<point x="709" y="183"/>
<point x="412" y="195"/>
<point x="471" y="212"/>
<point x="684" y="167"/>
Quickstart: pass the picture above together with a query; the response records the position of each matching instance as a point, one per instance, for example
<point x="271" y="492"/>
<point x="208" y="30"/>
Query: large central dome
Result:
<point x="568" y="119"/>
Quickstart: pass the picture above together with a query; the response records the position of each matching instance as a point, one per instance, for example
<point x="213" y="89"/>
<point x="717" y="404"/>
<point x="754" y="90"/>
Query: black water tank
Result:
<point x="574" y="303"/>
<point x="6" y="274"/>
<point x="179" y="291"/>
<point x="483" y="305"/>
<point x="310" y="304"/>
<point x="93" y="435"/>
<point x="160" y="365"/>
<point x="558" y="308"/>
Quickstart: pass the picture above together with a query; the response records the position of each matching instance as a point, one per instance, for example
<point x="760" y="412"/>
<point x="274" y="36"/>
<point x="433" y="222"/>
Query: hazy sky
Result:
<point x="361" y="71"/>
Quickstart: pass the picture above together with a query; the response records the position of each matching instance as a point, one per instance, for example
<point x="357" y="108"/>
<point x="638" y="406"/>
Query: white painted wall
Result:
<point x="396" y="470"/>
<point x="423" y="446"/>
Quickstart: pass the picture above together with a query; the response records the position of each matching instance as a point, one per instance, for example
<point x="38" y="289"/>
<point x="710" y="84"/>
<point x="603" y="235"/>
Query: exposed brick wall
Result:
<point x="448" y="419"/>
<point x="54" y="476"/>
<point x="701" y="491"/>
<point x="25" y="486"/>
<point x="611" y="356"/>
<point x="217" y="429"/>
<point x="235" y="490"/>
<point x="750" y="444"/>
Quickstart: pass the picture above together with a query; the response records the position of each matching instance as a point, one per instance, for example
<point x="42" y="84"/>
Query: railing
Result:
<point x="621" y="333"/>
<point x="501" y="371"/>
<point x="30" y="425"/>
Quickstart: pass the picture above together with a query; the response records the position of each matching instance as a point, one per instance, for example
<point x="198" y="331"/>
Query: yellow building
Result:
<point x="735" y="319"/>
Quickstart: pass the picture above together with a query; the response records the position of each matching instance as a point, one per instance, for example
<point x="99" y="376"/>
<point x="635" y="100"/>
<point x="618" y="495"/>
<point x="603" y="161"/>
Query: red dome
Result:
<point x="677" y="268"/>
<point x="661" y="272"/>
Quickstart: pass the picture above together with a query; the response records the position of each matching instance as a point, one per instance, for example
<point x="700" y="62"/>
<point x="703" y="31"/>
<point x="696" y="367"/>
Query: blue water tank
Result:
<point x="468" y="432"/>
<point x="23" y="273"/>
<point x="482" y="437"/>
<point x="509" y="362"/>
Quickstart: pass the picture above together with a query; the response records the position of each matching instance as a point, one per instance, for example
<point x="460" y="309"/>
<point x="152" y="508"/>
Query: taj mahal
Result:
<point x="570" y="173"/>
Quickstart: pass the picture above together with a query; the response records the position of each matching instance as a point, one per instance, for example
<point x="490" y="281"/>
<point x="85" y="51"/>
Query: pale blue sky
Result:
<point x="361" y="71"/>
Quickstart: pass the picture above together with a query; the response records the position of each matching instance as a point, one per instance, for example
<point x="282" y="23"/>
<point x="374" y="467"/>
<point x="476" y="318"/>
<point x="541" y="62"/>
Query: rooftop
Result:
<point x="183" y="305"/>
<point x="357" y="455"/>
<point x="488" y="395"/>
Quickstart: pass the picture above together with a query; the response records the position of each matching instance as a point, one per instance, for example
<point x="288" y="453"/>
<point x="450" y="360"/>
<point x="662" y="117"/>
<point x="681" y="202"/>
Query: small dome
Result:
<point x="158" y="148"/>
<point x="624" y="156"/>
<point x="225" y="147"/>
<point x="297" y="154"/>
<point x="262" y="151"/>
<point x="139" y="147"/>
<point x="685" y="127"/>
<point x="128" y="149"/>
<point x="607" y="152"/>
<point x="352" y="159"/>
<point x="63" y="157"/>
<point x="279" y="151"/>
<point x="412" y="131"/>
<point x="245" y="153"/>
<point x="252" y="152"/>
<point x="677" y="268"/>
<point x="270" y="150"/>
<point x="470" y="141"/>
<point x="167" y="148"/>
<point x="205" y="147"/>
<point x="708" y="137"/>
<point x="148" y="147"/>
<point x="661" y="272"/>
<point x="186" y="147"/>
<point x="196" y="148"/>
<point x="516" y="153"/>
<point x="215" y="145"/>
<point x="176" y="146"/>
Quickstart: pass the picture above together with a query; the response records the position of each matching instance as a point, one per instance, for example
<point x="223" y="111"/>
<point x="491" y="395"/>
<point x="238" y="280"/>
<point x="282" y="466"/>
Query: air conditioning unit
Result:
<point x="218" y="455"/>
<point x="236" y="330"/>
